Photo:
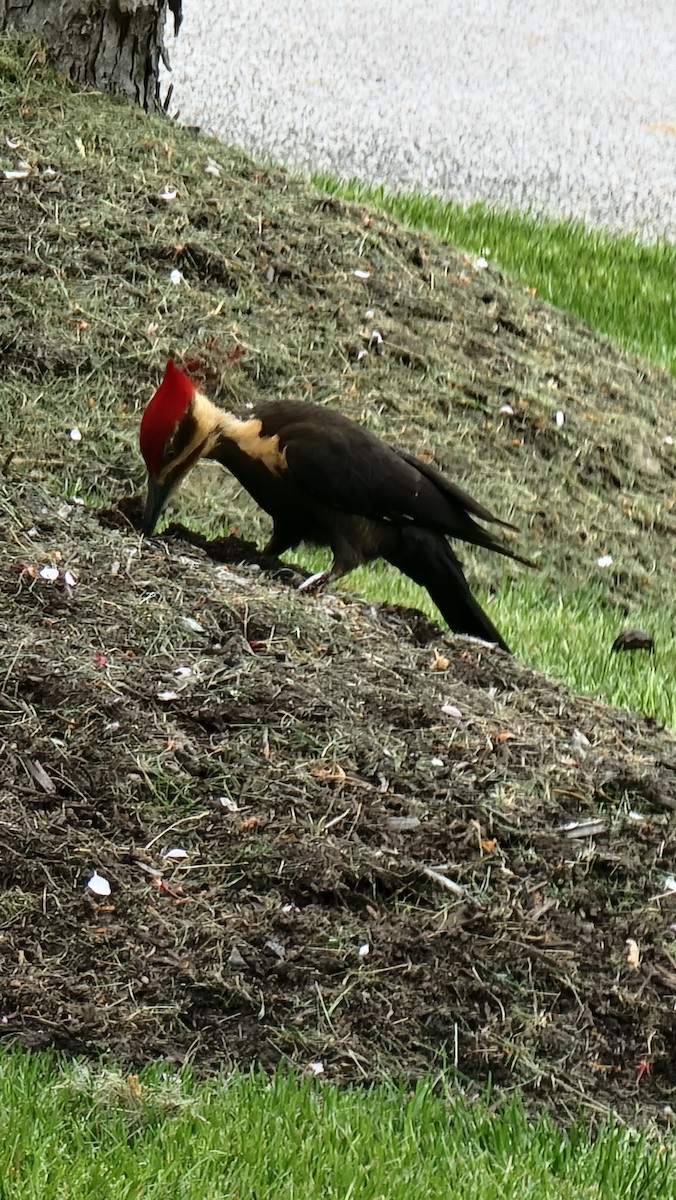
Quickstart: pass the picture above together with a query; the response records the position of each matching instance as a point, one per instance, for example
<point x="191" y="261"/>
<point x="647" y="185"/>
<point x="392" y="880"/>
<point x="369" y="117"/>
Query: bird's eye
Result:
<point x="182" y="437"/>
<point x="169" y="450"/>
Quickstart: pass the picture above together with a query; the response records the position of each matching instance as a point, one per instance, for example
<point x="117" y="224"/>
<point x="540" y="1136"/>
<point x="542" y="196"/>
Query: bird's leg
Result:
<point x="345" y="558"/>
<point x="283" y="538"/>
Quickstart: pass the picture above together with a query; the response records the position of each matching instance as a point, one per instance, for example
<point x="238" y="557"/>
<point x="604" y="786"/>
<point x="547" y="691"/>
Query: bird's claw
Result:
<point x="314" y="583"/>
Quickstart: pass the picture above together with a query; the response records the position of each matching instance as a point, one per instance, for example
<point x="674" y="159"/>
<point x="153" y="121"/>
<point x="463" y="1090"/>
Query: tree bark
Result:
<point x="111" y="45"/>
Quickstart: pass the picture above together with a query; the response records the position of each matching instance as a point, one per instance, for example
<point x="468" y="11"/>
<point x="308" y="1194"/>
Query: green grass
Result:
<point x="617" y="285"/>
<point x="75" y="1131"/>
<point x="570" y="634"/>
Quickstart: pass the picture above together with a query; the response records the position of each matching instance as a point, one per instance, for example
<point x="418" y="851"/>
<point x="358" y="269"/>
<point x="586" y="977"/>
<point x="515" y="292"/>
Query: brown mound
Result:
<point x="298" y="752"/>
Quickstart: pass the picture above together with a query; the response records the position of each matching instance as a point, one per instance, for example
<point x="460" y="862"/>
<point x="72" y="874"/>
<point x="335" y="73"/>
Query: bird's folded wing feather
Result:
<point x="365" y="476"/>
<point x="355" y="475"/>
<point x="362" y="475"/>
<point x="454" y="493"/>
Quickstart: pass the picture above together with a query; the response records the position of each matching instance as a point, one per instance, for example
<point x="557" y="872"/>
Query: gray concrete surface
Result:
<point x="568" y="108"/>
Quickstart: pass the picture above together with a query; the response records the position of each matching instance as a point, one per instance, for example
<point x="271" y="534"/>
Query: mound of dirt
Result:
<point x="323" y="841"/>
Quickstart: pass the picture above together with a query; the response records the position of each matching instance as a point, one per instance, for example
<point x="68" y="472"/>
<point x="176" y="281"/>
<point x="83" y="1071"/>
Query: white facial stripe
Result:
<point x="211" y="424"/>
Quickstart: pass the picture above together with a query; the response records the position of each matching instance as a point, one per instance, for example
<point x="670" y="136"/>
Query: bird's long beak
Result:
<point x="158" y="494"/>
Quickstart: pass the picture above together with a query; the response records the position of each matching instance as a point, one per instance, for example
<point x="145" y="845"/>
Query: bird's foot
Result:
<point x="314" y="583"/>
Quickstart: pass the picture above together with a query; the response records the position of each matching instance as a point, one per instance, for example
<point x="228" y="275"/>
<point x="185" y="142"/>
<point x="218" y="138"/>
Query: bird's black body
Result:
<point x="328" y="481"/>
<point x="333" y="483"/>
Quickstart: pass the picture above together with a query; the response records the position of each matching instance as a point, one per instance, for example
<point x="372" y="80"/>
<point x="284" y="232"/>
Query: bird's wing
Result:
<point x="351" y="470"/>
<point x="453" y="491"/>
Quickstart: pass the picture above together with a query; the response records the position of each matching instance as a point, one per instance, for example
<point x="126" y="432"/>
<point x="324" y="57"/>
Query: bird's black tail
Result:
<point x="427" y="559"/>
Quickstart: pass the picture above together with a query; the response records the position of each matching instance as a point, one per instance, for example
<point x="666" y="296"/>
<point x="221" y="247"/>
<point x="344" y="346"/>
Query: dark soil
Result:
<point x="297" y="751"/>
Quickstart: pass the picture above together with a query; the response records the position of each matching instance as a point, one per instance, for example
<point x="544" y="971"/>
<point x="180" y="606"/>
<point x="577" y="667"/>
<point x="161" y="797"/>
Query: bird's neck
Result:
<point x="213" y="425"/>
<point x="226" y="437"/>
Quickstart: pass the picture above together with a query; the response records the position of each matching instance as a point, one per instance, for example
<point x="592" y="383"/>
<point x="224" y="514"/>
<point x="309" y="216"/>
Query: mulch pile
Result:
<point x="330" y="834"/>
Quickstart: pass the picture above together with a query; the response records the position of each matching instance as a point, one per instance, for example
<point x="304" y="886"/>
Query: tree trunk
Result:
<point x="111" y="45"/>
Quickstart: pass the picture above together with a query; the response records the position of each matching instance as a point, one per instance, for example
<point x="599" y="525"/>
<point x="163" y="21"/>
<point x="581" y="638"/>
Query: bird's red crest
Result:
<point x="163" y="413"/>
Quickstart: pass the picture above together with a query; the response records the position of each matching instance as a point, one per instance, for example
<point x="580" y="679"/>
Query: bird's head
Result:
<point x="179" y="426"/>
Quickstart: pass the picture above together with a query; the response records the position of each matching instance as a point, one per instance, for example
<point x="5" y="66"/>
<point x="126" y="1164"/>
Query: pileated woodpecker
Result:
<point x="325" y="480"/>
